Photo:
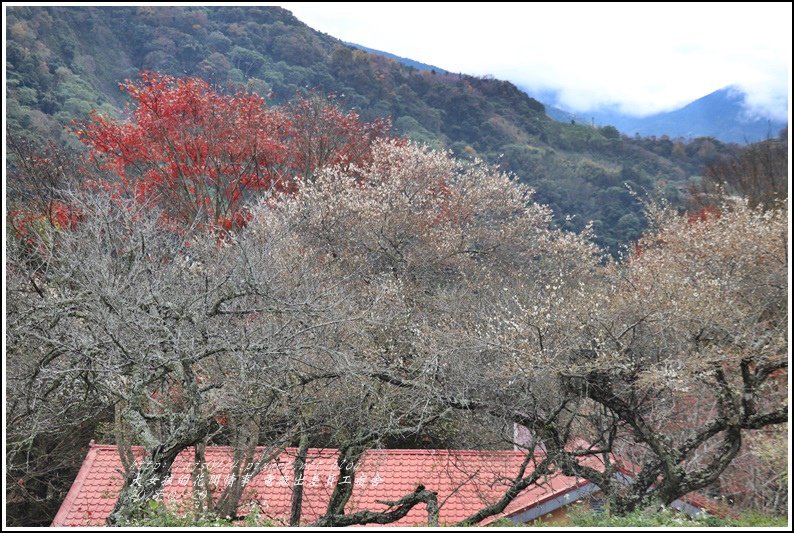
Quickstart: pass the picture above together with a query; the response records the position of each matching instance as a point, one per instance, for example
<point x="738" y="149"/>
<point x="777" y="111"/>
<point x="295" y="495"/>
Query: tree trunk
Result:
<point x="143" y="484"/>
<point x="298" y="469"/>
<point x="401" y="508"/>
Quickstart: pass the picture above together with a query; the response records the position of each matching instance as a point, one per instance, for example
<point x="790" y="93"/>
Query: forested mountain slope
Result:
<point x="63" y="62"/>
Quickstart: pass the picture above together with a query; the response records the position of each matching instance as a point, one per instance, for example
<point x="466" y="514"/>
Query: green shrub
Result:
<point x="664" y="518"/>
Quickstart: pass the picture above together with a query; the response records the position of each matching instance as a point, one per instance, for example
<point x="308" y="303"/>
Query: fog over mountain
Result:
<point x="723" y="114"/>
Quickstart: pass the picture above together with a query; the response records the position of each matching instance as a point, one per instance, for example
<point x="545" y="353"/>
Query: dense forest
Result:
<point x="227" y="229"/>
<point x="63" y="62"/>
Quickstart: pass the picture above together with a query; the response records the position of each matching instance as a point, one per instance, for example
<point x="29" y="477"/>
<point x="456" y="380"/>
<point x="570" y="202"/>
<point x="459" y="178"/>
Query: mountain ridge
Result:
<point x="722" y="114"/>
<point x="404" y="60"/>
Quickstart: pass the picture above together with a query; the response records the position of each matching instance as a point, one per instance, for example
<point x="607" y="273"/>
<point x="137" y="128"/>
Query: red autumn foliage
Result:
<point x="25" y="221"/>
<point x="199" y="154"/>
<point x="36" y="177"/>
<point x="196" y="155"/>
<point x="322" y="135"/>
<point x="56" y="213"/>
<point x="191" y="150"/>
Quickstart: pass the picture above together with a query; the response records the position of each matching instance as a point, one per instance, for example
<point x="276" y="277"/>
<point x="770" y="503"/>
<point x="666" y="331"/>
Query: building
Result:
<point x="465" y="480"/>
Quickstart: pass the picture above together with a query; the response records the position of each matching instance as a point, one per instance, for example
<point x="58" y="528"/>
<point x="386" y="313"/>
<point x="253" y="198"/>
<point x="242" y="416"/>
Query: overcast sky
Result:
<point x="643" y="58"/>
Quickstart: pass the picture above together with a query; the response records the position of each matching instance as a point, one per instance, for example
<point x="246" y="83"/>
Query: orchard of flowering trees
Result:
<point x="222" y="272"/>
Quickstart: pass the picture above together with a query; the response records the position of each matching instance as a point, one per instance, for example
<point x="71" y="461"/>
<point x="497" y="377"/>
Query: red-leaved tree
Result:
<point x="323" y="135"/>
<point x="199" y="154"/>
<point x="190" y="150"/>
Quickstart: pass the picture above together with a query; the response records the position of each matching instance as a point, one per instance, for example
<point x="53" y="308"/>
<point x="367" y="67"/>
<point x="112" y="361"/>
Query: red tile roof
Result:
<point x="465" y="481"/>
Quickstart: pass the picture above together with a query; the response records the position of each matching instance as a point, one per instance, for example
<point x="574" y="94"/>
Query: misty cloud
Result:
<point x="638" y="58"/>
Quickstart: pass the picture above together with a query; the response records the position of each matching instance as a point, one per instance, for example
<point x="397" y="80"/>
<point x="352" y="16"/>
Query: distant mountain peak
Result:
<point x="723" y="114"/>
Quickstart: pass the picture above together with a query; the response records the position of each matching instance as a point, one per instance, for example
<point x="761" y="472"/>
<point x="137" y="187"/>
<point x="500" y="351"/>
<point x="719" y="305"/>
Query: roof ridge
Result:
<point x="395" y="451"/>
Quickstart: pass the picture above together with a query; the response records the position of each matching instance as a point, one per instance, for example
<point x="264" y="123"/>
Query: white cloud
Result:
<point x="643" y="58"/>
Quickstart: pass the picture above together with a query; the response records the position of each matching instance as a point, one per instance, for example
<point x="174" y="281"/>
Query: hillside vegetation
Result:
<point x="62" y="62"/>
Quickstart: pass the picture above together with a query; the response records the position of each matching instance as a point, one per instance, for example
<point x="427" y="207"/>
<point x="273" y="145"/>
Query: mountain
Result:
<point x="62" y="62"/>
<point x="722" y="115"/>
